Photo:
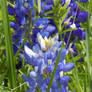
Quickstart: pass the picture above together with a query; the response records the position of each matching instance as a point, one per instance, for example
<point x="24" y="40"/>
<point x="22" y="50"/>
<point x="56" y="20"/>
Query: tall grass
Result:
<point x="89" y="70"/>
<point x="9" y="46"/>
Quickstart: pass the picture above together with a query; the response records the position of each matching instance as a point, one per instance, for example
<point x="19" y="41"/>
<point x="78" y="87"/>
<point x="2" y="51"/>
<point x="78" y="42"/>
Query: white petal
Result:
<point x="41" y="41"/>
<point x="36" y="68"/>
<point x="29" y="52"/>
<point x="61" y="73"/>
<point x="73" y="26"/>
<point x="68" y="1"/>
<point x="33" y="74"/>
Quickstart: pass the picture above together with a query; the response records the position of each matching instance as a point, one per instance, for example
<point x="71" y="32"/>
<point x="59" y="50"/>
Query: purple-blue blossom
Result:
<point x="43" y="57"/>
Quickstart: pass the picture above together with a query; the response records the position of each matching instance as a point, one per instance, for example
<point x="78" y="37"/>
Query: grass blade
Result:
<point x="9" y="47"/>
<point x="89" y="71"/>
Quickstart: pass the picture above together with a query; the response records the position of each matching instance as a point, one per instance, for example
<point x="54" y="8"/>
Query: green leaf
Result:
<point x="2" y="76"/>
<point x="67" y="30"/>
<point x="65" y="15"/>
<point x="48" y="12"/>
<point x="0" y="15"/>
<point x="2" y="47"/>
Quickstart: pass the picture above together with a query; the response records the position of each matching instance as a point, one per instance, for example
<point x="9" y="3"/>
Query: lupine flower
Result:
<point x="43" y="57"/>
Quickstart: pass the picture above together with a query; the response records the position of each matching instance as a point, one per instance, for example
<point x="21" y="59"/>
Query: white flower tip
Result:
<point x="61" y="73"/>
<point x="41" y="41"/>
<point x="29" y="52"/>
<point x="73" y="26"/>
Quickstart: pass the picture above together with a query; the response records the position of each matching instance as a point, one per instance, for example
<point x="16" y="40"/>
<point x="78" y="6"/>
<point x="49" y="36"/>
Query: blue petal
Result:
<point x="82" y="16"/>
<point x="83" y="1"/>
<point x="11" y="10"/>
<point x="40" y="22"/>
<point x="31" y="90"/>
<point x="30" y="81"/>
<point x="63" y="54"/>
<point x="64" y="80"/>
<point x="68" y="67"/>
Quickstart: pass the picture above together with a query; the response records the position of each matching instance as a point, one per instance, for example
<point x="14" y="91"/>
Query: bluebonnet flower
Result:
<point x="22" y="9"/>
<point x="21" y="12"/>
<point x="42" y="56"/>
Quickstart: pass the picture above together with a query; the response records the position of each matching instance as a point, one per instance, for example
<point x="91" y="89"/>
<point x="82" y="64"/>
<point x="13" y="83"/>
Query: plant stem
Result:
<point x="54" y="71"/>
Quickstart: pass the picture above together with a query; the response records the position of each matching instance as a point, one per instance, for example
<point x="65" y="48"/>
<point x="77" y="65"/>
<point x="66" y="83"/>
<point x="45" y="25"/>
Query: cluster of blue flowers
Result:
<point x="44" y="48"/>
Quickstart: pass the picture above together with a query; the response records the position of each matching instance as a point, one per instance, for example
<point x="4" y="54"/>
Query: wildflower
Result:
<point x="43" y="57"/>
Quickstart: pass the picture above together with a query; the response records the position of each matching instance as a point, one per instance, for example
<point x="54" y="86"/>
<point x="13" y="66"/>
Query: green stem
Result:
<point x="9" y="47"/>
<point x="54" y="71"/>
